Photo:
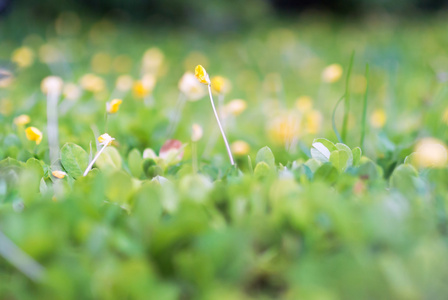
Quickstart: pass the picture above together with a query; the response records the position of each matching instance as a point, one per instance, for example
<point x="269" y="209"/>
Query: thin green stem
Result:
<point x="347" y="97"/>
<point x="364" y="109"/>
<point x="220" y="126"/>
<point x="333" y="123"/>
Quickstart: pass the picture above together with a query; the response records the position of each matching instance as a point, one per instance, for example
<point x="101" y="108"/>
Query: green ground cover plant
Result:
<point x="115" y="181"/>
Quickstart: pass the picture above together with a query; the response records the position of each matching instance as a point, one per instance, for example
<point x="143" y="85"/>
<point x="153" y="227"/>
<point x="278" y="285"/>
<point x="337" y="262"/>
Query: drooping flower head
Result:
<point x="34" y="134"/>
<point x="59" y="174"/>
<point x="105" y="139"/>
<point x="201" y="75"/>
<point x="113" y="106"/>
<point x="196" y="132"/>
<point x="52" y="84"/>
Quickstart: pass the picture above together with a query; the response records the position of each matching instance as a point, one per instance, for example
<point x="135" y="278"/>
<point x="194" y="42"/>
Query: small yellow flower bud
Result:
<point x="378" y="118"/>
<point x="33" y="134"/>
<point x="220" y="84"/>
<point x="22" y="120"/>
<point x="201" y="75"/>
<point x="196" y="134"/>
<point x="113" y="106"/>
<point x="105" y="139"/>
<point x="332" y="73"/>
<point x="59" y="174"/>
<point x="240" y="148"/>
<point x="431" y="152"/>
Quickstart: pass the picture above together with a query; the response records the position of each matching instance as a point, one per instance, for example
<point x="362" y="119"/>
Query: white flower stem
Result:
<point x="89" y="167"/>
<point x="52" y="125"/>
<point x="19" y="259"/>
<point x="220" y="127"/>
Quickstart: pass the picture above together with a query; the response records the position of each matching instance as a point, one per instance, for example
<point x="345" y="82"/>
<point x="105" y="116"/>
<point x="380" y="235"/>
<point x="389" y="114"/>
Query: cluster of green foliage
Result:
<point x="322" y="220"/>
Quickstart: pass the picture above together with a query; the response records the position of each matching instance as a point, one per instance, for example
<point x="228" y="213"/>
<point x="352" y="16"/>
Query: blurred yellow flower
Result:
<point x="221" y="85"/>
<point x="23" y="57"/>
<point x="201" y="75"/>
<point x="304" y="104"/>
<point x="445" y="116"/>
<point x="144" y="87"/>
<point x="113" y="106"/>
<point x="34" y="134"/>
<point x="22" y="120"/>
<point x="332" y="73"/>
<point x="431" y="152"/>
<point x="105" y="139"/>
<point x="92" y="83"/>
<point x="378" y="118"/>
<point x="72" y="91"/>
<point x="284" y="128"/>
<point x="152" y="60"/>
<point x="6" y="107"/>
<point x="313" y="121"/>
<point x="51" y="84"/>
<point x="124" y="83"/>
<point x="59" y="174"/>
<point x="196" y="132"/>
<point x="240" y="148"/>
<point x="235" y="107"/>
<point x="191" y="88"/>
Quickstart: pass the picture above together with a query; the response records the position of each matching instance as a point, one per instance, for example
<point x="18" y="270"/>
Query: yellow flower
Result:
<point x="240" y="148"/>
<point x="124" y="83"/>
<point x="59" y="174"/>
<point x="284" y="128"/>
<point x="196" y="134"/>
<point x="22" y="120"/>
<point x="144" y="87"/>
<point x="313" y="121"/>
<point x="332" y="73"/>
<point x="113" y="106"/>
<point x="235" y="107"/>
<point x="378" y="118"/>
<point x="304" y="104"/>
<point x="431" y="152"/>
<point x="51" y="84"/>
<point x="105" y="139"/>
<point x="201" y="75"/>
<point x="34" y="134"/>
<point x="71" y="91"/>
<point x="152" y="60"/>
<point x="23" y="57"/>
<point x="93" y="83"/>
<point x="220" y="84"/>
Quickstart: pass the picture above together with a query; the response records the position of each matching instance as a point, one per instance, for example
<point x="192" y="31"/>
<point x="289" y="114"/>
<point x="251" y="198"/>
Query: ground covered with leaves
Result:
<point x="324" y="202"/>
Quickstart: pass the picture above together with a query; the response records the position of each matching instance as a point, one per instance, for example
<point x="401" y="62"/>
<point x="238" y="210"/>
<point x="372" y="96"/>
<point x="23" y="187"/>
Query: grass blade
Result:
<point x="333" y="123"/>
<point x="347" y="97"/>
<point x="364" y="109"/>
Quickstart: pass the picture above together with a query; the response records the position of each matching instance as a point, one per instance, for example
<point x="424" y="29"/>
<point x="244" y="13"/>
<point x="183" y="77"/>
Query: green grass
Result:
<point x="333" y="222"/>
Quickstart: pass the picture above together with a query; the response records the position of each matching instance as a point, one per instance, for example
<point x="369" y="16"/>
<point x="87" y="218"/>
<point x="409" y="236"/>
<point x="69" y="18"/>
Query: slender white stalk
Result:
<point x="221" y="109"/>
<point x="220" y="126"/>
<point x="19" y="259"/>
<point x="52" y="125"/>
<point x="89" y="167"/>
